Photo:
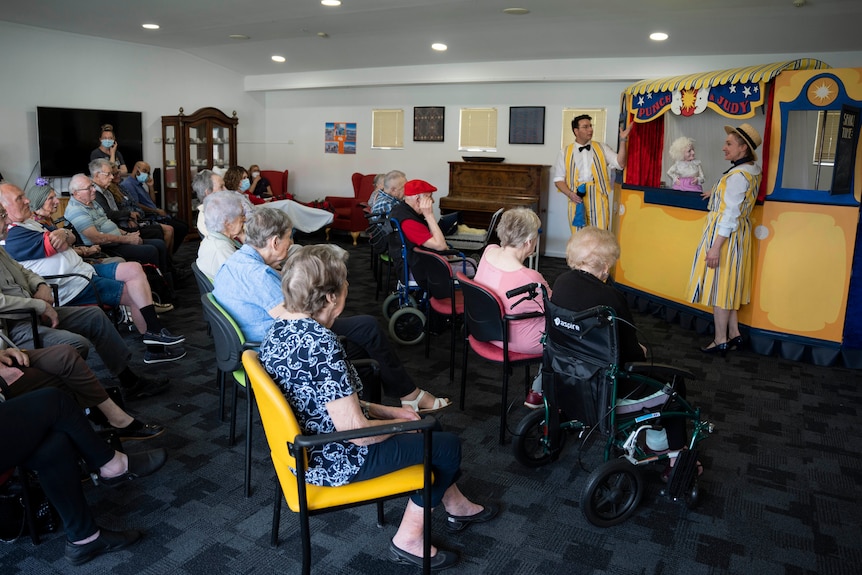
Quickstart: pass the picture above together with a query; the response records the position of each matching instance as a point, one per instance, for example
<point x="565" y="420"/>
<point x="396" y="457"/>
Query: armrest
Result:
<point x="55" y="289"/>
<point x="29" y="314"/>
<point x="305" y="441"/>
<point x="520" y="316"/>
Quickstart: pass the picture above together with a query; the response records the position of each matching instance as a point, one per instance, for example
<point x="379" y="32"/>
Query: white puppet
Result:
<point x="686" y="173"/>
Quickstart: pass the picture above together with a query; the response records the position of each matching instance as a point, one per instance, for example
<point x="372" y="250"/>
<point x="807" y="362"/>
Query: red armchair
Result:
<point x="278" y="184"/>
<point x="349" y="213"/>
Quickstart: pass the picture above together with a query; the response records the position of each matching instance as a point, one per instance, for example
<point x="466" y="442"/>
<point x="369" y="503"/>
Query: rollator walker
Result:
<point x="581" y="375"/>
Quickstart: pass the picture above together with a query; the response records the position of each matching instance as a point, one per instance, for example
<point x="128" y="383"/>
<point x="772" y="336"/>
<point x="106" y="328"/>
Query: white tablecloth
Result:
<point x="304" y="218"/>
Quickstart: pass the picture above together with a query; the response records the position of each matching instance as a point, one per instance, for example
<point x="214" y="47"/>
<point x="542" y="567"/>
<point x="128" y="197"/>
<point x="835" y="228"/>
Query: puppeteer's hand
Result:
<point x="624" y="133"/>
<point x="712" y="257"/>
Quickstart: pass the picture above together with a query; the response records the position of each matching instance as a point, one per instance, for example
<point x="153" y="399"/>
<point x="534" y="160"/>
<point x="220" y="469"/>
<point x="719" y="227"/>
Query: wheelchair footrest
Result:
<point x="683" y="473"/>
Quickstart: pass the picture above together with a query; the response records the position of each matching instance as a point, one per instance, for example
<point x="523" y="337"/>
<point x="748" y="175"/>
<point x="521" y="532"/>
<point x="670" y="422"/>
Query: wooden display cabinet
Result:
<point x="191" y="143"/>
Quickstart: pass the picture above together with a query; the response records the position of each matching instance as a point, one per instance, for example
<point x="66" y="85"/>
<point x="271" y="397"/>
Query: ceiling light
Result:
<point x="516" y="11"/>
<point x="322" y="35"/>
<point x="239" y="37"/>
<point x="278" y="59"/>
<point x="331" y="2"/>
<point x="658" y="36"/>
<point x="150" y="26"/>
<point x="439" y="47"/>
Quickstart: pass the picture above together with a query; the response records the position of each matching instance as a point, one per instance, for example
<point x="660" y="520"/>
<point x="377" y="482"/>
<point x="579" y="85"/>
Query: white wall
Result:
<point x="47" y="68"/>
<point x="299" y="117"/>
<point x="281" y="126"/>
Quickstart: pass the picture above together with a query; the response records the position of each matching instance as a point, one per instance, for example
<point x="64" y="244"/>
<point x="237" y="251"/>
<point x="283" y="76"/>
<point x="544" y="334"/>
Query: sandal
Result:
<point x="439" y="403"/>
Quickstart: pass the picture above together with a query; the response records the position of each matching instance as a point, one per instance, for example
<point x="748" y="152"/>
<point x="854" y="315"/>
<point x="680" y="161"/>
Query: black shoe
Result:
<point x="163" y="337"/>
<point x="167" y="354"/>
<point x="138" y="430"/>
<point x="106" y="542"/>
<point x="146" y="387"/>
<point x="720" y="348"/>
<point x="455" y="523"/>
<point x="735" y="343"/>
<point x="141" y="464"/>
<point x="442" y="560"/>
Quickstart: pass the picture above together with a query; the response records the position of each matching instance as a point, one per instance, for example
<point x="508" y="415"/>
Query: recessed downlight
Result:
<point x="239" y="37"/>
<point x="516" y="11"/>
<point x="322" y="35"/>
<point x="439" y="46"/>
<point x="331" y="2"/>
<point x="150" y="26"/>
<point x="278" y="59"/>
<point x="658" y="36"/>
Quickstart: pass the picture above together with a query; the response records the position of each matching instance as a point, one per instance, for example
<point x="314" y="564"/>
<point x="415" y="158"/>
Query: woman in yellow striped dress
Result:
<point x="722" y="269"/>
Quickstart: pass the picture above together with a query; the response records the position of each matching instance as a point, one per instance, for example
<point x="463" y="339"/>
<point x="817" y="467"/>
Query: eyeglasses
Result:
<point x="90" y="187"/>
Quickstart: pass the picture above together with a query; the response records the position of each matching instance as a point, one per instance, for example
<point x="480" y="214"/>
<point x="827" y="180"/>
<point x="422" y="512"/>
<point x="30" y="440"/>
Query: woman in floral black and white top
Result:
<point x="310" y="365"/>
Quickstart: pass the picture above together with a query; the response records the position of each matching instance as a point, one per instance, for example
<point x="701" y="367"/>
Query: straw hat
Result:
<point x="749" y="135"/>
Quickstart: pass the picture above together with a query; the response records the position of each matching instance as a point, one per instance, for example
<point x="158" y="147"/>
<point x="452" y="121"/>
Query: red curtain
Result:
<point x="646" y="142"/>
<point x="763" y="152"/>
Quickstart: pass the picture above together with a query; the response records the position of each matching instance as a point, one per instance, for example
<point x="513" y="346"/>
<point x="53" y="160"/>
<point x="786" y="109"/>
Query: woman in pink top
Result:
<point x="502" y="269"/>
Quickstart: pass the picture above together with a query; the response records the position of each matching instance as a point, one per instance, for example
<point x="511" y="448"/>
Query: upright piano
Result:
<point x="478" y="189"/>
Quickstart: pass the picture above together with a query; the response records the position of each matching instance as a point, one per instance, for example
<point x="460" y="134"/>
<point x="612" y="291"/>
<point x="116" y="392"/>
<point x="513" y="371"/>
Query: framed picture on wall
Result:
<point x="428" y="123"/>
<point x="527" y="125"/>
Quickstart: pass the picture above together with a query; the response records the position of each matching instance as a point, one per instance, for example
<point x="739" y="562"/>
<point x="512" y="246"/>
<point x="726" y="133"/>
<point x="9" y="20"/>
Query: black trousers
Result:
<point x="46" y="431"/>
<point x="365" y="339"/>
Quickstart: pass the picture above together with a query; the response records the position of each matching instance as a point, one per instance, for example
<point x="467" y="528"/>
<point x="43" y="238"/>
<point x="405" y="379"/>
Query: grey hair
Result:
<point x="311" y="274"/>
<point x="592" y="248"/>
<point x="517" y="226"/>
<point x="222" y="207"/>
<point x="76" y="178"/>
<point x="96" y="165"/>
<point x="391" y="178"/>
<point x="202" y="184"/>
<point x="264" y="223"/>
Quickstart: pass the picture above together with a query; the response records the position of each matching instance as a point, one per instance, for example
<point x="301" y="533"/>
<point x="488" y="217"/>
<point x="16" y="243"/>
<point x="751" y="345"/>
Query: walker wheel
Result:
<point x="407" y="326"/>
<point x="393" y="303"/>
<point x="612" y="494"/>
<point x="530" y="440"/>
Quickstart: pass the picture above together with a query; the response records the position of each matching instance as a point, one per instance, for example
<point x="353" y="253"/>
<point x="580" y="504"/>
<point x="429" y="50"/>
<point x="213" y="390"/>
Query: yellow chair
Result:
<point x="285" y="440"/>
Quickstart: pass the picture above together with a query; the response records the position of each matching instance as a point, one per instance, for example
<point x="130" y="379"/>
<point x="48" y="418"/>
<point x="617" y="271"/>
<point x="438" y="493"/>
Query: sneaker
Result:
<point x="146" y="387"/>
<point x="535" y="400"/>
<point x="163" y="307"/>
<point x="163" y="337"/>
<point x="167" y="354"/>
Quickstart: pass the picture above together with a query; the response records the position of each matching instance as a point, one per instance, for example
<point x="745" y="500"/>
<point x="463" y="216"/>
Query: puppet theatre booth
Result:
<point x="806" y="294"/>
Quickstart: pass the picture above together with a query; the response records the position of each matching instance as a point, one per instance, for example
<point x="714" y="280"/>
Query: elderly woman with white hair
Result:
<point x="249" y="288"/>
<point x="310" y="365"/>
<point x="224" y="213"/>
<point x="502" y="269"/>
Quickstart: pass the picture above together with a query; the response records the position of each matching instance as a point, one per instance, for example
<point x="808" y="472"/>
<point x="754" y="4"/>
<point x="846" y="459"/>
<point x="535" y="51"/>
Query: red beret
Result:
<point x="416" y="187"/>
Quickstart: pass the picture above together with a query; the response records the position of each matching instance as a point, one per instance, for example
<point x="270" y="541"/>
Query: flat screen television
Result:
<point x="68" y="135"/>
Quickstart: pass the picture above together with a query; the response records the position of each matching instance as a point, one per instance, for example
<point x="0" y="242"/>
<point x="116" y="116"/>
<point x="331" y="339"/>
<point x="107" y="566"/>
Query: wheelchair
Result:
<point x="407" y="308"/>
<point x="581" y="376"/>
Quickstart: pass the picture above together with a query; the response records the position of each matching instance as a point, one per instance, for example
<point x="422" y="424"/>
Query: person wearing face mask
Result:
<point x="236" y="180"/>
<point x="260" y="186"/>
<point x="138" y="186"/>
<point x="108" y="149"/>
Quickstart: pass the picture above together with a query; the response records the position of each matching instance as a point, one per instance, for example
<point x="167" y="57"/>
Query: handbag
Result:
<point x="13" y="507"/>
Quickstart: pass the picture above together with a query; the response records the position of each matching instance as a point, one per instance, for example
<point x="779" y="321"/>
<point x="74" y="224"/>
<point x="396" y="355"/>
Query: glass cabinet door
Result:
<point x="198" y="148"/>
<point x="221" y="146"/>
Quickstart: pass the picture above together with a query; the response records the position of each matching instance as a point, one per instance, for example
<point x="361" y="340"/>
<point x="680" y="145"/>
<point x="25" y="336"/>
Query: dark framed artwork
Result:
<point x="428" y="122"/>
<point x="527" y="125"/>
